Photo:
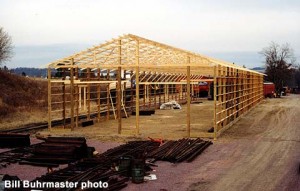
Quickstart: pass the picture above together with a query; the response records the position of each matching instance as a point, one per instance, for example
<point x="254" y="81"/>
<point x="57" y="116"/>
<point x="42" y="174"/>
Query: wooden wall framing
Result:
<point x="160" y="72"/>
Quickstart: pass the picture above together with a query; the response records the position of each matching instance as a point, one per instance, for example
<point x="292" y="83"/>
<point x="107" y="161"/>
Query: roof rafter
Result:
<point x="152" y="55"/>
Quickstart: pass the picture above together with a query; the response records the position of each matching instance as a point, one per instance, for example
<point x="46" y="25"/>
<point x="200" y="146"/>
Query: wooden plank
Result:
<point x="64" y="100"/>
<point x="137" y="89"/>
<point x="119" y="101"/>
<point x="72" y="95"/>
<point x="215" y="102"/>
<point x="98" y="95"/>
<point x="188" y="111"/>
<point x="107" y="96"/>
<point x="49" y="98"/>
<point x="88" y="95"/>
<point x="78" y="95"/>
<point x="119" y="90"/>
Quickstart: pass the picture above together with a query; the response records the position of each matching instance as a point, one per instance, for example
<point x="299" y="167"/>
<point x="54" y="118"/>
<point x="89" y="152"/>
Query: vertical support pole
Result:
<point x="98" y="95"/>
<point x="77" y="98"/>
<point x="159" y="95"/>
<point x="165" y="92"/>
<point x="154" y="92"/>
<point x="168" y="92"/>
<point x="72" y="93"/>
<point x="137" y="88"/>
<point x="131" y="89"/>
<point x="119" y="90"/>
<point x="144" y="96"/>
<point x="149" y="96"/>
<point x="215" y="103"/>
<point x="64" y="98"/>
<point x="193" y="91"/>
<point x="107" y="96"/>
<point x="188" y="111"/>
<point x="119" y="101"/>
<point x="88" y="94"/>
<point x="49" y="98"/>
<point x="224" y="83"/>
<point x="84" y="98"/>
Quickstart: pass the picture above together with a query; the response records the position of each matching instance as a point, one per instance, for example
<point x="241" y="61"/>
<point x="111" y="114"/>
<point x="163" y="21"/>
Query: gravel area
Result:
<point x="259" y="152"/>
<point x="27" y="172"/>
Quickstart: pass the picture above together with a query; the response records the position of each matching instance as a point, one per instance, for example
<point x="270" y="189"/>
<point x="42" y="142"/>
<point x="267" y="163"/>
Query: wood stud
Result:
<point x="155" y="67"/>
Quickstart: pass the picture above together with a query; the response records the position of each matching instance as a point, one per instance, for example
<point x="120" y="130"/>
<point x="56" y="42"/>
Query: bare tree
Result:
<point x="5" y="46"/>
<point x="278" y="59"/>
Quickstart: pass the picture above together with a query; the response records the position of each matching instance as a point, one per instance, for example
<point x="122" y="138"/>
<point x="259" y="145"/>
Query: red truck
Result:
<point x="269" y="89"/>
<point x="201" y="89"/>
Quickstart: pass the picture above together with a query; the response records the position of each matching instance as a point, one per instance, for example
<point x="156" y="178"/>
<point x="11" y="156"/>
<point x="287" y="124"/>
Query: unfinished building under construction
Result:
<point x="131" y="74"/>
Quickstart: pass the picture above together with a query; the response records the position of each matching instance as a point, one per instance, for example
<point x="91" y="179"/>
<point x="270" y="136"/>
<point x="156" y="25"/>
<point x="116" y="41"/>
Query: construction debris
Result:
<point x="144" y="111"/>
<point x="116" y="166"/>
<point x="58" y="150"/>
<point x="170" y="105"/>
<point x="179" y="151"/>
<point x="87" y="123"/>
<point x="100" y="167"/>
<point x="15" y="155"/>
<point x="10" y="140"/>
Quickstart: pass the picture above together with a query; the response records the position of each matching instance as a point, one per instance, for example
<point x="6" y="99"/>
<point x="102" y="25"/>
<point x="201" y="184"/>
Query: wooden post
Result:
<point x="84" y="98"/>
<point x="49" y="98"/>
<point x="98" y="95"/>
<point x="107" y="97"/>
<point x="77" y="98"/>
<point x="72" y="93"/>
<point x="119" y="90"/>
<point x="131" y="90"/>
<point x="181" y="93"/>
<point x="159" y="95"/>
<point x="188" y="111"/>
<point x="144" y="96"/>
<point x="119" y="101"/>
<point x="154" y="92"/>
<point x="137" y="89"/>
<point x="215" y="102"/>
<point x="149" y="96"/>
<point x="64" y="98"/>
<point x="88" y="94"/>
<point x="168" y="92"/>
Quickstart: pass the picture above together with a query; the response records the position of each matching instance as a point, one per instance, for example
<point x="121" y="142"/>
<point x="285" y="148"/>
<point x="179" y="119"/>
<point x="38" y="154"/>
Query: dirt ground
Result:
<point x="165" y="124"/>
<point x="259" y="152"/>
<point x="21" y="118"/>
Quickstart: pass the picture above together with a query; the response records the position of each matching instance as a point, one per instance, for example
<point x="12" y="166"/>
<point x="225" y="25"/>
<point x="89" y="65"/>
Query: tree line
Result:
<point x="281" y="66"/>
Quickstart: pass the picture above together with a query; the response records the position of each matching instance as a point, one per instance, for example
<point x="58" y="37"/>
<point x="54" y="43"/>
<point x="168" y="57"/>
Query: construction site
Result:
<point x="137" y="114"/>
<point x="132" y="74"/>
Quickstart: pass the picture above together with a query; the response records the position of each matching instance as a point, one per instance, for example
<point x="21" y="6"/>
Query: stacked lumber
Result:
<point x="11" y="140"/>
<point x="179" y="151"/>
<point x="58" y="150"/>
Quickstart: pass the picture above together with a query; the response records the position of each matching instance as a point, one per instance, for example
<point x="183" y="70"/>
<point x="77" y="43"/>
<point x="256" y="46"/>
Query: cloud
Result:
<point x="220" y="26"/>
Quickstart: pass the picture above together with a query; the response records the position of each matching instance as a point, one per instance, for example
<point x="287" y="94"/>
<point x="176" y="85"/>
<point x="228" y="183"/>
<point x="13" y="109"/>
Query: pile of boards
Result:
<point x="58" y="150"/>
<point x="11" y="140"/>
<point x="180" y="150"/>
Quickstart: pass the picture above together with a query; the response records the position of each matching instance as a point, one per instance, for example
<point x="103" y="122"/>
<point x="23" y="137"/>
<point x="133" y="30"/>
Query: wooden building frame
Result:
<point x="149" y="64"/>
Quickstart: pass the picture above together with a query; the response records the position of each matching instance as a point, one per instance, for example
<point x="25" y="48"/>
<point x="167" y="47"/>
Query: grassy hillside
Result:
<point x="20" y="96"/>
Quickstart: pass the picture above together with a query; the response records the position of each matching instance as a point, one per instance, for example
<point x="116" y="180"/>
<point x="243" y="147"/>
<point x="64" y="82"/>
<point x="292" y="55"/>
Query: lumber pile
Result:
<point x="11" y="140"/>
<point x="179" y="151"/>
<point x="58" y="150"/>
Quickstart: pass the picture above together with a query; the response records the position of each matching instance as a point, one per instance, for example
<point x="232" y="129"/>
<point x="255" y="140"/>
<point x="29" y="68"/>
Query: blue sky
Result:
<point x="235" y="31"/>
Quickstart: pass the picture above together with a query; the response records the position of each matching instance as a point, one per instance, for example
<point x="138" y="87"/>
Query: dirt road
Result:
<point x="260" y="152"/>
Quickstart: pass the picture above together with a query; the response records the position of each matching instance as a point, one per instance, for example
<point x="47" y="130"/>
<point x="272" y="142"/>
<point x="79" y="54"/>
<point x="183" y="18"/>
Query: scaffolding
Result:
<point x="131" y="72"/>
